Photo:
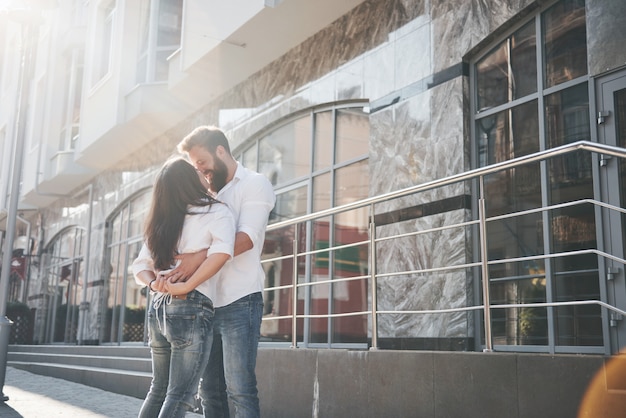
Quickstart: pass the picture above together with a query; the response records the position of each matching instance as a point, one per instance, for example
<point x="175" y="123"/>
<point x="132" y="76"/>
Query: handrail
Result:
<point x="482" y="220"/>
<point x="513" y="305"/>
<point x="467" y="175"/>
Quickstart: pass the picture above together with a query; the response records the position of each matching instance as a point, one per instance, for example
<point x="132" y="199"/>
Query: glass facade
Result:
<point x="63" y="279"/>
<point x="124" y="301"/>
<point x="531" y="93"/>
<point x="316" y="161"/>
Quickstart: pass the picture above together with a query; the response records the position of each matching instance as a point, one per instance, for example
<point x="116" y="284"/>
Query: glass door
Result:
<point x="611" y="120"/>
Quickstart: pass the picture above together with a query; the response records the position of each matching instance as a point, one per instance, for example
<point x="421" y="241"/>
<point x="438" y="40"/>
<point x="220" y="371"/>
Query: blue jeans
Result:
<point x="180" y="351"/>
<point x="231" y="368"/>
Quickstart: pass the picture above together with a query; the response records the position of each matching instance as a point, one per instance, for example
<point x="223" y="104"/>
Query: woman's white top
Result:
<point x="205" y="227"/>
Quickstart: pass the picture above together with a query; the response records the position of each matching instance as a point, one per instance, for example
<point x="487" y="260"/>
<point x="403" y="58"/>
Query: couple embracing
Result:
<point x="201" y="261"/>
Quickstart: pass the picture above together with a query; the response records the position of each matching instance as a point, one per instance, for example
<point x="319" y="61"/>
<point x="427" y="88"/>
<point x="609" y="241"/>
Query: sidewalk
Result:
<point x="35" y="396"/>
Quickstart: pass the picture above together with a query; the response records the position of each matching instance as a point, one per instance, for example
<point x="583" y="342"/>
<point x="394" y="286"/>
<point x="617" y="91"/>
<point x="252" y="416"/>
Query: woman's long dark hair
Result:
<point x="177" y="187"/>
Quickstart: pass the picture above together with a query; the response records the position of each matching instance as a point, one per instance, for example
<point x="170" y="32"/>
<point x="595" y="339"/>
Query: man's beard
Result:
<point x="218" y="175"/>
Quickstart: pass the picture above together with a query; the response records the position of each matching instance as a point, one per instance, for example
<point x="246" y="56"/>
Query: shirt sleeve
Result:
<point x="142" y="262"/>
<point x="222" y="229"/>
<point x="256" y="207"/>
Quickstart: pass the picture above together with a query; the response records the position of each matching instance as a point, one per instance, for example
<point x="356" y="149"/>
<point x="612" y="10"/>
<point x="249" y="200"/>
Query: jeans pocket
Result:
<point x="181" y="329"/>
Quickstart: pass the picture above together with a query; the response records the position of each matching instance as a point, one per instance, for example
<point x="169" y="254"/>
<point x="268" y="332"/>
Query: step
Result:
<point x="92" y="350"/>
<point x="138" y="364"/>
<point x="120" y="369"/>
<point x="125" y="382"/>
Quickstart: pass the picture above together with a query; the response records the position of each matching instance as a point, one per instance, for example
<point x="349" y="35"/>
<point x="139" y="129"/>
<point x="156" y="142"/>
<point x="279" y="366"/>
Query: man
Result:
<point x="238" y="298"/>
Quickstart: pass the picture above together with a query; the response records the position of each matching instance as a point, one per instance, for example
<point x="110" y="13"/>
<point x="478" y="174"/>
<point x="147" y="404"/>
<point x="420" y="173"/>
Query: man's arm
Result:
<point x="254" y="213"/>
<point x="243" y="243"/>
<point x="211" y="265"/>
<point x="189" y="263"/>
<point x="220" y="240"/>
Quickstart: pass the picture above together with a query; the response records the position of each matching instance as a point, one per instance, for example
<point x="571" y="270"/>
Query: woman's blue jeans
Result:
<point x="180" y="351"/>
<point x="231" y="368"/>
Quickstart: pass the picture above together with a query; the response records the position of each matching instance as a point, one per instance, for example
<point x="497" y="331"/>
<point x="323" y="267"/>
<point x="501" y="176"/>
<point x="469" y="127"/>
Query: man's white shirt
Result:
<point x="251" y="197"/>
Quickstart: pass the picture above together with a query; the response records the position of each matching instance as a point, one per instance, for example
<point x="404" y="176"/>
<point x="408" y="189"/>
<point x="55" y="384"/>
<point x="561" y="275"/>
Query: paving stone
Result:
<point x="35" y="396"/>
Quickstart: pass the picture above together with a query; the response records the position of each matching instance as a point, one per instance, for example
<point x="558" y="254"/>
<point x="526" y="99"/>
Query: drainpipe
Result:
<point x="26" y="254"/>
<point x="40" y="233"/>
<point x="29" y="33"/>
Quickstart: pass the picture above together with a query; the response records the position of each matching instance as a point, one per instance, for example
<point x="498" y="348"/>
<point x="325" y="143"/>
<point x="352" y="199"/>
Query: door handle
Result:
<point x="602" y="115"/>
<point x="604" y="160"/>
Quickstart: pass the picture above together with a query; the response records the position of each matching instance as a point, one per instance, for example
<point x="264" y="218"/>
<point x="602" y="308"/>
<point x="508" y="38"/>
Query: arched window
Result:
<point x="316" y="160"/>
<point x="124" y="301"/>
<point x="63" y="281"/>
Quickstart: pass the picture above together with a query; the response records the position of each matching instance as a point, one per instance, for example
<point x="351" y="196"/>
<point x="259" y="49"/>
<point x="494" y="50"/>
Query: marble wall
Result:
<point x="605" y="37"/>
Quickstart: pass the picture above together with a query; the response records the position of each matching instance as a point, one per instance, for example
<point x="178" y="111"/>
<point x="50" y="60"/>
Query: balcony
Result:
<point x="145" y="112"/>
<point x="59" y="176"/>
<point x="221" y="48"/>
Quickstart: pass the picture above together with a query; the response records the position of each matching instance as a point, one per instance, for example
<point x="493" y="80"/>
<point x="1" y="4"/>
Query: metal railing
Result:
<point x="483" y="263"/>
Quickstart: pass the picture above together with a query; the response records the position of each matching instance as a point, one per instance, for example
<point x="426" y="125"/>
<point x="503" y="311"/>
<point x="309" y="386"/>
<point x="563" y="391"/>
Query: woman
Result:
<point x="183" y="218"/>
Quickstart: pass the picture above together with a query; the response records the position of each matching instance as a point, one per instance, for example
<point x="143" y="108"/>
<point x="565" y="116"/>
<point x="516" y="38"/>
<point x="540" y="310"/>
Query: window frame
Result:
<point x="475" y="115"/>
<point x="103" y="42"/>
<point x="147" y="74"/>
<point x="306" y="339"/>
<point x="122" y="245"/>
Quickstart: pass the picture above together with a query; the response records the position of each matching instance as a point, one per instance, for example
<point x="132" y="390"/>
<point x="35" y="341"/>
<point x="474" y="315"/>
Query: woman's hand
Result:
<point x="177" y="288"/>
<point x="158" y="284"/>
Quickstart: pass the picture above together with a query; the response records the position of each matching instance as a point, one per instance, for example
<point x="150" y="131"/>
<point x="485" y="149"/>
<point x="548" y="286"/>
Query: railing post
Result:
<point x="294" y="325"/>
<point x="373" y="280"/>
<point x="485" y="267"/>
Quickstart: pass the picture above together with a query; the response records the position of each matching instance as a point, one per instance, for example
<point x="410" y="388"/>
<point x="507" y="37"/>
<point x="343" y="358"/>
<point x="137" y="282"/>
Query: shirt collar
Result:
<point x="240" y="173"/>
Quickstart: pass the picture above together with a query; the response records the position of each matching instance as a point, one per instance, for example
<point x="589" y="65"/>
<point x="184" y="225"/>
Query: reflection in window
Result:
<point x="352" y="134"/>
<point x="71" y="109"/>
<point x="509" y="71"/>
<point x="567" y="121"/>
<point x="351" y="185"/>
<point x="565" y="42"/>
<point x="160" y="23"/>
<point x="249" y="158"/>
<point x="508" y="134"/>
<point x="322" y="192"/>
<point x="125" y="300"/>
<point x="64" y="276"/>
<point x="323" y="140"/>
<point x="104" y="40"/>
<point x="576" y="278"/>
<point x="285" y="154"/>
<point x="317" y="162"/>
<point x="512" y="133"/>
<point x="506" y="78"/>
<point x="291" y="204"/>
<point x="520" y="326"/>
